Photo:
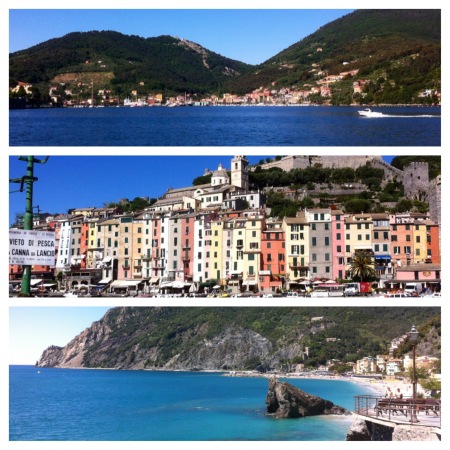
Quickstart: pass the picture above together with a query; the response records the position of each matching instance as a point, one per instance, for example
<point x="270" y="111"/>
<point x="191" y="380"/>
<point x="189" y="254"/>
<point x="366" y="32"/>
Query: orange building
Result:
<point x="273" y="265"/>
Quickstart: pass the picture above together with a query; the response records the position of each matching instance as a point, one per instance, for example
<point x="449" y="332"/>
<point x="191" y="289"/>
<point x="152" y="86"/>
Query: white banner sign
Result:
<point x="32" y="248"/>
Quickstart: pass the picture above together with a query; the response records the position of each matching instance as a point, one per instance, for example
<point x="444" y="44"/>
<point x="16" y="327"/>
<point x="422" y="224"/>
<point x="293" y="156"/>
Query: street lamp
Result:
<point x="413" y="335"/>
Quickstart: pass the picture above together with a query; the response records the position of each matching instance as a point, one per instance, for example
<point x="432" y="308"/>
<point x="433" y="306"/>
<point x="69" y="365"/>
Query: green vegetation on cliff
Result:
<point x="191" y="337"/>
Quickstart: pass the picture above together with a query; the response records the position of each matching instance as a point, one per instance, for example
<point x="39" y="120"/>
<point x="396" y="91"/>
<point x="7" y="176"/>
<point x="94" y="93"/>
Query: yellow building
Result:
<point x="296" y="230"/>
<point x="420" y="240"/>
<point x="358" y="236"/>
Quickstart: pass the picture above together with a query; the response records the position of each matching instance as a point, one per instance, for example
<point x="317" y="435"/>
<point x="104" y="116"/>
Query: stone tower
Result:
<point x="416" y="180"/>
<point x="239" y="173"/>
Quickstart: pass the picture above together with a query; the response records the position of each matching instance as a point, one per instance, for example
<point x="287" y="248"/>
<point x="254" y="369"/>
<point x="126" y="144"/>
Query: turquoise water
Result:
<point x="113" y="405"/>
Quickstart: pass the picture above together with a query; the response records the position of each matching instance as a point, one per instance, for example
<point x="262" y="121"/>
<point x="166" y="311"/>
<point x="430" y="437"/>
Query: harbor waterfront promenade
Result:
<point x="218" y="237"/>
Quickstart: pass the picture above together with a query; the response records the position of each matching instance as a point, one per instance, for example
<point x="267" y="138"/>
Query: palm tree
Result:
<point x="362" y="266"/>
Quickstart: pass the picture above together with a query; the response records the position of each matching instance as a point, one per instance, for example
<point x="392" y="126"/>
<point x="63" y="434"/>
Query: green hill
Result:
<point x="164" y="63"/>
<point x="399" y="50"/>
<point x="225" y="338"/>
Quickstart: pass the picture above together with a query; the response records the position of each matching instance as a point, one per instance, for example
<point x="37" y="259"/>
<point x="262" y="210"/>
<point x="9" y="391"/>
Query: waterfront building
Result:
<point x="381" y="242"/>
<point x="338" y="244"/>
<point x="296" y="232"/>
<point x="433" y="243"/>
<point x="251" y="251"/>
<point x="272" y="276"/>
<point x="358" y="237"/>
<point x="217" y="271"/>
<point x="108" y="244"/>
<point x="320" y="236"/>
<point x="137" y="247"/>
<point x="65" y="244"/>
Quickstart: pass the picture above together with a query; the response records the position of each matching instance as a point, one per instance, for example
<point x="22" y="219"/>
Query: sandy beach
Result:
<point x="378" y="386"/>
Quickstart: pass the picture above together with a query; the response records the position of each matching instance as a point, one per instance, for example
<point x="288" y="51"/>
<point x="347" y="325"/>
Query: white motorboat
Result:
<point x="369" y="113"/>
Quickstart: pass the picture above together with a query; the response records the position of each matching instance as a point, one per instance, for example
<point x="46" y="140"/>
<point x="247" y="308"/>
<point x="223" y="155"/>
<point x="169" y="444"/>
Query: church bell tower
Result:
<point x="239" y="173"/>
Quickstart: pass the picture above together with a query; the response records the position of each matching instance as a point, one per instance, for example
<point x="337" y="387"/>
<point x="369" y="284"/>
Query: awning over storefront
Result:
<point x="250" y="282"/>
<point x="178" y="284"/>
<point x="107" y="259"/>
<point x="154" y="280"/>
<point x="125" y="283"/>
<point x="35" y="281"/>
<point x="382" y="256"/>
<point x="105" y="281"/>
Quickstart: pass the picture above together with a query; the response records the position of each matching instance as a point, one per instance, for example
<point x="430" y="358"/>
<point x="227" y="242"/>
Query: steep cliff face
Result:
<point x="72" y="354"/>
<point x="141" y="338"/>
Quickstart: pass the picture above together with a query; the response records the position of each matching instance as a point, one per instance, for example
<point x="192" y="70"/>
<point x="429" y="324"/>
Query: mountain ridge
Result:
<point x="233" y="338"/>
<point x="394" y="49"/>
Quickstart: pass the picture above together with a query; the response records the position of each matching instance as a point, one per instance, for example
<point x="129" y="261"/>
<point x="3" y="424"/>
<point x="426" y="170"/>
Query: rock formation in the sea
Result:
<point x="286" y="401"/>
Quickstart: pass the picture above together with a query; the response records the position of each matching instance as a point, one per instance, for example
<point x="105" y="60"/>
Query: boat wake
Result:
<point x="405" y="115"/>
<point x="371" y="114"/>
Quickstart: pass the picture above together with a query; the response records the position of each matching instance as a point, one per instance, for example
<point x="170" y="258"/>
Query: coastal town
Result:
<point x="318" y="92"/>
<point x="218" y="239"/>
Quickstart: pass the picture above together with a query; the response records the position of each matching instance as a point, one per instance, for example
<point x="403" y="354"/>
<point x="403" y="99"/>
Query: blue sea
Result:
<point x="224" y="126"/>
<point x="116" y="405"/>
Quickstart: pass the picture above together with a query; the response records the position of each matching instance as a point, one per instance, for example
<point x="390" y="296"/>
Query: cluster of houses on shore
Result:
<point x="262" y="96"/>
<point x="219" y="236"/>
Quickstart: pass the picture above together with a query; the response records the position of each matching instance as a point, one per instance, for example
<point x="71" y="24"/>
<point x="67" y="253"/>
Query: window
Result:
<point x="251" y="256"/>
<point x="294" y="237"/>
<point x="268" y="245"/>
<point x="385" y="247"/>
<point x="313" y="227"/>
<point x="339" y="249"/>
<point x="394" y="238"/>
<point x="314" y="241"/>
<point x="396" y="250"/>
<point x="377" y="247"/>
<point x="338" y="236"/>
<point x="327" y="241"/>
<point x="407" y="250"/>
<point x="347" y="248"/>
<point x="418" y="239"/>
<point x="327" y="256"/>
<point x="314" y="257"/>
<point x="375" y="234"/>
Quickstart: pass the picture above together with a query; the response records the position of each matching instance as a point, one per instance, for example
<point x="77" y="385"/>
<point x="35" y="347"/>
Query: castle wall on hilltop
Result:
<point x="288" y="163"/>
<point x="415" y="177"/>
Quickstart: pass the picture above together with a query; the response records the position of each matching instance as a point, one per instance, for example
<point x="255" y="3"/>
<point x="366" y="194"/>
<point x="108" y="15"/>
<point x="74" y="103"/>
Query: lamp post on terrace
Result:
<point x="413" y="335"/>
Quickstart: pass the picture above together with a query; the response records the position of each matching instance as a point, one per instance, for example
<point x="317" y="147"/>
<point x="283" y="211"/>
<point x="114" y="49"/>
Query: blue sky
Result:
<point x="66" y="182"/>
<point x="248" y="35"/>
<point x="33" y="329"/>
